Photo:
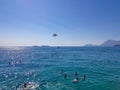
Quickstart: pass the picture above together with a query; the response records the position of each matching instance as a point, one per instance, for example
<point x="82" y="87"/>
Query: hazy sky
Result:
<point x="77" y="22"/>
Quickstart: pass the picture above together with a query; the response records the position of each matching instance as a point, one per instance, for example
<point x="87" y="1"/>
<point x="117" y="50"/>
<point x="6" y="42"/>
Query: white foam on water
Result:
<point x="30" y="86"/>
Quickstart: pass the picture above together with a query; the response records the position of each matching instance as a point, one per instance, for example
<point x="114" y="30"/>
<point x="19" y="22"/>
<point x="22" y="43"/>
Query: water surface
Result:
<point x="42" y="65"/>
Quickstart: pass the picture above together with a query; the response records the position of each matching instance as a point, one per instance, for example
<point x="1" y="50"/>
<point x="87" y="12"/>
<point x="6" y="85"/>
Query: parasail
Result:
<point x="54" y="35"/>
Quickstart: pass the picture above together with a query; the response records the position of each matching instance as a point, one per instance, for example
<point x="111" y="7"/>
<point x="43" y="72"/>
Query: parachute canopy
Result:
<point x="54" y="35"/>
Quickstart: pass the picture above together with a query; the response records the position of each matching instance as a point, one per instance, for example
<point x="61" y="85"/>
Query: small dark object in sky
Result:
<point x="54" y="35"/>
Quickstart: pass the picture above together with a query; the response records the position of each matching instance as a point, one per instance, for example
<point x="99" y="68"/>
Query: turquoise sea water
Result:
<point x="42" y="65"/>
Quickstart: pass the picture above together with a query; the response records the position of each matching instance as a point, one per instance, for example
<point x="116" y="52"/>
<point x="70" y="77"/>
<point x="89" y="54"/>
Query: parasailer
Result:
<point x="54" y="35"/>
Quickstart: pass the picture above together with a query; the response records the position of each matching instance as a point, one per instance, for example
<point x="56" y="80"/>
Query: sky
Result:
<point x="76" y="22"/>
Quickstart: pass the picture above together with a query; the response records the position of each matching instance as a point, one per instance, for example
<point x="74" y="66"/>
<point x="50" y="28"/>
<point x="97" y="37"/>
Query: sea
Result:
<point x="44" y="68"/>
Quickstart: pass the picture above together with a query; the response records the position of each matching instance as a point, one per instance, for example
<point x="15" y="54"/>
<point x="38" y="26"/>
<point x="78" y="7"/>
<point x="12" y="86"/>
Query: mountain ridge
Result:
<point x="110" y="43"/>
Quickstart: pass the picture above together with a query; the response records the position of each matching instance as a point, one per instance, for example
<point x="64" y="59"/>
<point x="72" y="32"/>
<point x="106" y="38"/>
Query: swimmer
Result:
<point x="76" y="73"/>
<point x="24" y="86"/>
<point x="75" y="80"/>
<point x="61" y="71"/>
<point x="84" y="77"/>
<point x="28" y="86"/>
<point x="65" y="75"/>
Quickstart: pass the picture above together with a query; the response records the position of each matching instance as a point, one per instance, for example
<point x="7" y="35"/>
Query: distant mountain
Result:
<point x="117" y="45"/>
<point x="88" y="45"/>
<point x="110" y="43"/>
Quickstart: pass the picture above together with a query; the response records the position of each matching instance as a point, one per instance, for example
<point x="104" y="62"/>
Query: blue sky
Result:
<point x="77" y="22"/>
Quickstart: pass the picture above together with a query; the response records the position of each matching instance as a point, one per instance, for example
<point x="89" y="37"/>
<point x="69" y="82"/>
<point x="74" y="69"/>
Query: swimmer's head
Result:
<point x="25" y="85"/>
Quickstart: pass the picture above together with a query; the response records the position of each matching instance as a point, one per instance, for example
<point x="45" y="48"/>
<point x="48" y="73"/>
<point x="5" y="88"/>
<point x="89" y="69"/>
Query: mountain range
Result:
<point x="108" y="43"/>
